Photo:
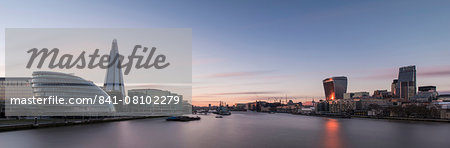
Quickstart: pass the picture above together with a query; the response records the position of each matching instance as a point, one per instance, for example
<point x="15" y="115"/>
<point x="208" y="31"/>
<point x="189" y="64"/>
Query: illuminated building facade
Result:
<point x="394" y="89"/>
<point x="335" y="87"/>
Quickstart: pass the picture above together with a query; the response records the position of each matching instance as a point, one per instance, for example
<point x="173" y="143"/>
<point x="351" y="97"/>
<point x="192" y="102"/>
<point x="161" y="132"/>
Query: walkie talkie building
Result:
<point x="335" y="87"/>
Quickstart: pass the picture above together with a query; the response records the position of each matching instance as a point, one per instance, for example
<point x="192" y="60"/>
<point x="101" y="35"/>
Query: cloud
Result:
<point x="204" y="102"/>
<point x="206" y="61"/>
<point x="234" y="85"/>
<point x="164" y="86"/>
<point x="247" y="93"/>
<point x="235" y="74"/>
<point x="203" y="96"/>
<point x="432" y="71"/>
<point x="381" y="76"/>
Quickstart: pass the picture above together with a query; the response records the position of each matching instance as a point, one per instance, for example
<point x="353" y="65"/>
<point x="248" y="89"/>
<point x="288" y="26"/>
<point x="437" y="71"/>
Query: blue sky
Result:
<point x="247" y="50"/>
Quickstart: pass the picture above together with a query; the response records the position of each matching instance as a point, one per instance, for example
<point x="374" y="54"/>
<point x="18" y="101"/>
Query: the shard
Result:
<point x="114" y="77"/>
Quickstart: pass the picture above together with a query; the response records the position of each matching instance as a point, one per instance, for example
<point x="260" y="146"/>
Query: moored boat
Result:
<point x="182" y="118"/>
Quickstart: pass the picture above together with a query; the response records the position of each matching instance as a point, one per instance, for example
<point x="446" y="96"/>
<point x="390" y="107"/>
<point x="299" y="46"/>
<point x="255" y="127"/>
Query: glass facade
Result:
<point x="394" y="87"/>
<point x="406" y="82"/>
<point x="335" y="88"/>
<point x="19" y="87"/>
<point x="45" y="84"/>
<point x="114" y="76"/>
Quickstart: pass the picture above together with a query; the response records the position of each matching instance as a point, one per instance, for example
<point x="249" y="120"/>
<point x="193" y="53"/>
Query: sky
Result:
<point x="246" y="50"/>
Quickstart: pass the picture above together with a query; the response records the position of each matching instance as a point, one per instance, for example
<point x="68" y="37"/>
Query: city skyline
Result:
<point x="225" y="73"/>
<point x="274" y="49"/>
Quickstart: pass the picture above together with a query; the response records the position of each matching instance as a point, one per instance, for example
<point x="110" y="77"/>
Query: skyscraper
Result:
<point x="335" y="87"/>
<point x="114" y="77"/>
<point x="406" y="86"/>
<point x="394" y="88"/>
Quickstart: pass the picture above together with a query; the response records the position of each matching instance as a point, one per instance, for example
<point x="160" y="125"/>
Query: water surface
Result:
<point x="242" y="129"/>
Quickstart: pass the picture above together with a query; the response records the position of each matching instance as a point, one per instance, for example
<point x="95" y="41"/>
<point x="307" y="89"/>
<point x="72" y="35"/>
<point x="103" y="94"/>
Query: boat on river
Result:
<point x="182" y="118"/>
<point x="222" y="110"/>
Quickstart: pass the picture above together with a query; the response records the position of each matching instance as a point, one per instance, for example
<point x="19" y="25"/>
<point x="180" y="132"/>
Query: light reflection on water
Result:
<point x="242" y="129"/>
<point x="332" y="138"/>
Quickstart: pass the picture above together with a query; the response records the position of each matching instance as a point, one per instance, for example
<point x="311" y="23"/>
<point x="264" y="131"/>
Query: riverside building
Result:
<point x="17" y="87"/>
<point x="335" y="87"/>
<point x="406" y="87"/>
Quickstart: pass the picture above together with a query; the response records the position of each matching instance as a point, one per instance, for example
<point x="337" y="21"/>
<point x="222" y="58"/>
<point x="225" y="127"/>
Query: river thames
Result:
<point x="242" y="129"/>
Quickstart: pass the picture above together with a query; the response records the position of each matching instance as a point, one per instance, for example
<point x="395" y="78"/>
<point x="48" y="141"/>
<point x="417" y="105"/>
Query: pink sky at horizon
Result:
<point x="211" y="93"/>
<point x="273" y="49"/>
<point x="240" y="87"/>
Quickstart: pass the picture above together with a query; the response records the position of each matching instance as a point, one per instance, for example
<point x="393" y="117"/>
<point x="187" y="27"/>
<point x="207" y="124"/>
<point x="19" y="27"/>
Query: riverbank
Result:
<point x="375" y="117"/>
<point x="405" y="119"/>
<point x="331" y="115"/>
<point x="29" y="124"/>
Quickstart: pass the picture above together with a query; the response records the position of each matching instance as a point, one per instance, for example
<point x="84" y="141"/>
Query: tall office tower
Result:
<point x="406" y="87"/>
<point x="114" y="77"/>
<point x="394" y="88"/>
<point x="335" y="87"/>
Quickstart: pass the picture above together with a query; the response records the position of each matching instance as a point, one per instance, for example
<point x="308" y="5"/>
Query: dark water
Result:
<point x="238" y="130"/>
